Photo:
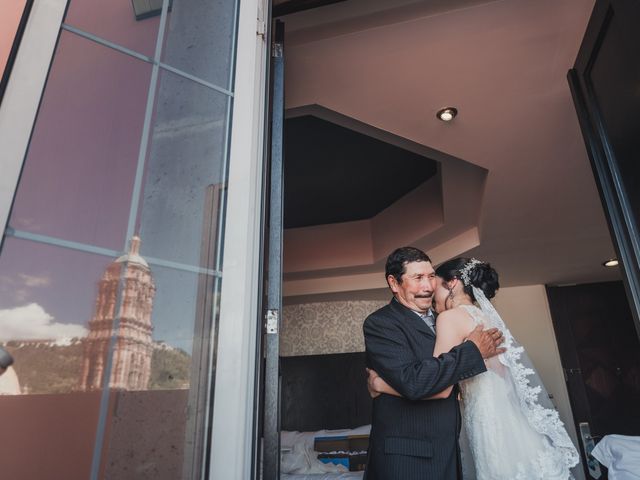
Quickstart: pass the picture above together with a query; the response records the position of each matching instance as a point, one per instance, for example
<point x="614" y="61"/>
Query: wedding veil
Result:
<point x="527" y="385"/>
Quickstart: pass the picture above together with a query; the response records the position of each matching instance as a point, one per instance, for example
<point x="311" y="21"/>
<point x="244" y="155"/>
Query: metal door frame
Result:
<point x="272" y="315"/>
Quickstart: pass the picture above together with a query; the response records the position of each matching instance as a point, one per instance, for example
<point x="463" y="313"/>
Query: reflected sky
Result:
<point x="186" y="156"/>
<point x="61" y="282"/>
<point x="45" y="288"/>
<point x="115" y="21"/>
<point x="79" y="174"/>
<point x="198" y="36"/>
<point x="182" y="45"/>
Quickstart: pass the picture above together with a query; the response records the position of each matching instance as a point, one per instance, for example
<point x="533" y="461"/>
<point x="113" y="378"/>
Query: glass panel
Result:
<point x="10" y="15"/>
<point x="615" y="77"/>
<point x="156" y="426"/>
<point x="183" y="180"/>
<point x="58" y="312"/>
<point x="199" y="39"/>
<point x="79" y="171"/>
<point x="47" y="297"/>
<point x="115" y="21"/>
<point x="120" y="349"/>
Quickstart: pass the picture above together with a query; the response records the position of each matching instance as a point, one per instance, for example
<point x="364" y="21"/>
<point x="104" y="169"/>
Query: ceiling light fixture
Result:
<point x="447" y="114"/>
<point x="611" y="263"/>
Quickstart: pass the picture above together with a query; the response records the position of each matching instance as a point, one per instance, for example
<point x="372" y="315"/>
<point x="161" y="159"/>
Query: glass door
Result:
<point x="111" y="262"/>
<point x="604" y="83"/>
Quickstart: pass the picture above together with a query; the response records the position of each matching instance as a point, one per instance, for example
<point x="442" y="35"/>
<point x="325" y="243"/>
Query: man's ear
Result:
<point x="393" y="283"/>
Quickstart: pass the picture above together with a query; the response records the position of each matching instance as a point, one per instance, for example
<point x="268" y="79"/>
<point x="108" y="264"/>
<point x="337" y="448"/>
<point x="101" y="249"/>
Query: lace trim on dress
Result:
<point x="544" y="420"/>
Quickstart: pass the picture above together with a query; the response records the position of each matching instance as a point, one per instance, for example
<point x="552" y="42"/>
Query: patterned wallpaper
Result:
<point x="325" y="327"/>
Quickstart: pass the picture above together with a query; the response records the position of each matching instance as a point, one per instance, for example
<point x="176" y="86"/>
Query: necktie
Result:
<point x="428" y="319"/>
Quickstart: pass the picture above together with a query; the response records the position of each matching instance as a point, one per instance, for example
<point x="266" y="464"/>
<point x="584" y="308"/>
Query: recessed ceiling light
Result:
<point x="447" y="114"/>
<point x="611" y="263"/>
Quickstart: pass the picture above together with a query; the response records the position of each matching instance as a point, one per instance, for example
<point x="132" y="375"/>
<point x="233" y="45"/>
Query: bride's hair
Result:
<point x="481" y="275"/>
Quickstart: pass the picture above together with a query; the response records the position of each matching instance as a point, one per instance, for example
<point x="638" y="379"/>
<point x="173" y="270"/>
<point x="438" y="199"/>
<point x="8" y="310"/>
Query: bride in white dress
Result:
<point x="512" y="430"/>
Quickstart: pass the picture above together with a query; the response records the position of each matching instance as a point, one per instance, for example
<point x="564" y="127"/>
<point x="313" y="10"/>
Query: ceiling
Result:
<point x="503" y="64"/>
<point x="333" y="174"/>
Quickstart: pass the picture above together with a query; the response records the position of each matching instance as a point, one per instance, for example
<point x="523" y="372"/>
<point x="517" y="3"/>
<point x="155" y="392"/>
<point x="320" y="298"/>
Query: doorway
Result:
<point x="532" y="207"/>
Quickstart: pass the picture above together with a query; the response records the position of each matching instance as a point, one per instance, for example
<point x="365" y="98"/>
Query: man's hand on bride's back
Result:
<point x="372" y="375"/>
<point x="487" y="341"/>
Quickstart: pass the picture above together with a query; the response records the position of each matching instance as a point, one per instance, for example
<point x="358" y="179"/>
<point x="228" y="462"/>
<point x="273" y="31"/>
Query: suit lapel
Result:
<point x="411" y="317"/>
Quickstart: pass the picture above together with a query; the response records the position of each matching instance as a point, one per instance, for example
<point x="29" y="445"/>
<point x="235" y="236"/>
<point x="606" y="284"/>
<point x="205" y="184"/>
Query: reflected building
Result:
<point x="133" y="348"/>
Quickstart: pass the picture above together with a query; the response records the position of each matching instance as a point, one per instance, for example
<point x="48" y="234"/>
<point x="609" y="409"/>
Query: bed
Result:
<point x="323" y="476"/>
<point x="323" y="396"/>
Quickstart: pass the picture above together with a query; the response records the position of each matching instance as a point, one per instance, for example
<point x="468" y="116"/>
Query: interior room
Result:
<point x="370" y="167"/>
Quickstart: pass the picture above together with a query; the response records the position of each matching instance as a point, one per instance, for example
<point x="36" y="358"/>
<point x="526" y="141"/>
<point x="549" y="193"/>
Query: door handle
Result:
<point x="588" y="444"/>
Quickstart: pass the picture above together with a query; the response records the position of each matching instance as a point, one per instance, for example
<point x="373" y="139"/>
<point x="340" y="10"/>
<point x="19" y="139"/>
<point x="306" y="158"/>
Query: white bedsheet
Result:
<point x="299" y="461"/>
<point x="621" y="455"/>
<point x="323" y="476"/>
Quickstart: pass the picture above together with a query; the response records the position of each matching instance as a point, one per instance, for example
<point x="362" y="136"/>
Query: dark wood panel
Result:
<point x="324" y="391"/>
<point x="600" y="353"/>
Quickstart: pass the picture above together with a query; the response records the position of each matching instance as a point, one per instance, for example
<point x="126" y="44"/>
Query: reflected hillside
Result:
<point x="49" y="367"/>
<point x="117" y="349"/>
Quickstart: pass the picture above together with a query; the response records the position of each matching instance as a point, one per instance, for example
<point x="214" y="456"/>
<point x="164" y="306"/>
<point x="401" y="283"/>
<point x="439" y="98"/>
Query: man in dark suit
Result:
<point x="413" y="438"/>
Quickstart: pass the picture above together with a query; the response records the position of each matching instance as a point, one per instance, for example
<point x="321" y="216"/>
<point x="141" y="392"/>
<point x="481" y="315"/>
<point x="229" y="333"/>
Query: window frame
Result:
<point x="23" y="92"/>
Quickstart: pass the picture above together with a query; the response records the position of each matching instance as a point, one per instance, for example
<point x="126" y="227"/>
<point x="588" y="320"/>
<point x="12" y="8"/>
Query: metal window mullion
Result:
<point x="133" y="211"/>
<point x="106" y="379"/>
<point x="155" y="60"/>
<point x="106" y="252"/>
<point x="106" y="43"/>
<point x="146" y="127"/>
<point x="58" y="242"/>
<point x="195" y="79"/>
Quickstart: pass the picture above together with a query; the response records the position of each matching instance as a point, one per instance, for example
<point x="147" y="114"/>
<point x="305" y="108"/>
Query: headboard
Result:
<point x="324" y="392"/>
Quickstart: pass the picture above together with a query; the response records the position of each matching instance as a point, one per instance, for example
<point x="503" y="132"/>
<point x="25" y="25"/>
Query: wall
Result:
<point x="325" y="327"/>
<point x="327" y="323"/>
<point x="526" y="312"/>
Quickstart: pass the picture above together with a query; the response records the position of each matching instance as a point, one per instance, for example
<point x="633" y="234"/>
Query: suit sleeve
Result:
<point x="389" y="354"/>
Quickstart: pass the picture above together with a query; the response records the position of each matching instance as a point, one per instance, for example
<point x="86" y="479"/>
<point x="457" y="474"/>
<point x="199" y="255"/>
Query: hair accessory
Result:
<point x="466" y="270"/>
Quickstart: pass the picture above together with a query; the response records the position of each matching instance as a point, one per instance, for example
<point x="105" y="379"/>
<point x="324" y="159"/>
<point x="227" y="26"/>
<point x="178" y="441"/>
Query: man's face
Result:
<point x="416" y="289"/>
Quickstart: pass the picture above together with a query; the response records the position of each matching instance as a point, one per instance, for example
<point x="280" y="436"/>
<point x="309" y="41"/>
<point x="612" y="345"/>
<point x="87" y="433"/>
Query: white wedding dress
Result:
<point x="512" y="430"/>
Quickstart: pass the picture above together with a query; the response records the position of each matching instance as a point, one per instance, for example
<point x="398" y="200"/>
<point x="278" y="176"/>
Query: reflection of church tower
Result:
<point x="131" y="368"/>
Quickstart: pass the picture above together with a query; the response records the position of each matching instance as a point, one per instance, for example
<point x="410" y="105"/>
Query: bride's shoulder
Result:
<point x="455" y="313"/>
<point x="454" y="317"/>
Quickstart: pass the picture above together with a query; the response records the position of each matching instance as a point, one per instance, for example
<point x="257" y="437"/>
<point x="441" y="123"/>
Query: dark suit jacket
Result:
<point x="411" y="438"/>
